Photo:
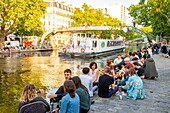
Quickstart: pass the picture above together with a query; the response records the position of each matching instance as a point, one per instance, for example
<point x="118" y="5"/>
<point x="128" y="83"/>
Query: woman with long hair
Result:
<point x="83" y="94"/>
<point x="31" y="102"/>
<point x="70" y="103"/>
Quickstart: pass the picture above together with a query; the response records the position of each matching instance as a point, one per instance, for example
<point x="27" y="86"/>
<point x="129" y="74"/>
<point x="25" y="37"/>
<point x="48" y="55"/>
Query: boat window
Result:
<point x="114" y="43"/>
<point x="110" y="44"/>
<point x="94" y="44"/>
<point x="88" y="35"/>
<point x="107" y="43"/>
<point x="82" y="35"/>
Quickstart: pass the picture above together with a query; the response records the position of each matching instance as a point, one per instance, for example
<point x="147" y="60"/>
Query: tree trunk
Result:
<point x="161" y="38"/>
<point x="2" y="39"/>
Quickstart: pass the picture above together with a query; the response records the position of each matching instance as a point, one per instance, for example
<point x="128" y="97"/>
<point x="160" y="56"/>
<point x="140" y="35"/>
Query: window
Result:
<point x="94" y="44"/>
<point x="51" y="4"/>
<point x="57" y="4"/>
<point x="107" y="43"/>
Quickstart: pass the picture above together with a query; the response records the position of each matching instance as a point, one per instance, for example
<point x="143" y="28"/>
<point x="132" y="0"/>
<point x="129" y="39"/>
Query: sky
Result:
<point x="102" y="4"/>
<point x="99" y="3"/>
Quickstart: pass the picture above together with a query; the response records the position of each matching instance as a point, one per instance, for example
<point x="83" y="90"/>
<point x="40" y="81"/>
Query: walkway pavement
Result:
<point x="157" y="95"/>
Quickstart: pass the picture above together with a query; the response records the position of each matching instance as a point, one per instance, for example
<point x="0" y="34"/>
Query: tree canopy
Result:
<point x="20" y="16"/>
<point x="88" y="16"/>
<point x="154" y="13"/>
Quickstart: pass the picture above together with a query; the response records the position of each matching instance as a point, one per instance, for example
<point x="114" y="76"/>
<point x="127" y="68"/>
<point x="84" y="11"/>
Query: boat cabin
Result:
<point x="83" y="42"/>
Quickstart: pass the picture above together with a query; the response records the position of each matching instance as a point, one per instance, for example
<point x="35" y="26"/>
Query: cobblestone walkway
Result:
<point x="157" y="95"/>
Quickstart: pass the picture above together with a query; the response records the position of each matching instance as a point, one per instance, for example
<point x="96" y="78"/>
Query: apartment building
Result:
<point x="58" y="15"/>
<point x="118" y="11"/>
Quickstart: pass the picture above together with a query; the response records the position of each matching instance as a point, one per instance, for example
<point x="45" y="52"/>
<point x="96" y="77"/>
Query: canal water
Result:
<point x="44" y="69"/>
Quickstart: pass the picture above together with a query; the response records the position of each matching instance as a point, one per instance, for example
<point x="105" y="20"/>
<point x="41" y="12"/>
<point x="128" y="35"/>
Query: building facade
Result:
<point x="58" y="15"/>
<point x="118" y="11"/>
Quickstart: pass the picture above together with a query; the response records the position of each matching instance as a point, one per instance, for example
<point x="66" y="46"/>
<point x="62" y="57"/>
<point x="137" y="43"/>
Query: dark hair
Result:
<point x="127" y="66"/>
<point x="67" y="71"/>
<point x="132" y="71"/>
<point x="136" y="63"/>
<point x="69" y="87"/>
<point x="135" y="58"/>
<point x="91" y="64"/>
<point x="85" y="70"/>
<point x="130" y="53"/>
<point x="133" y="54"/>
<point x="109" y="62"/>
<point x="148" y="56"/>
<point x="78" y="83"/>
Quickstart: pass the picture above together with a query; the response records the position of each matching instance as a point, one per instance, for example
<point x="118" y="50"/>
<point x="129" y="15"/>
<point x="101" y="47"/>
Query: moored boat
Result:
<point x="85" y="45"/>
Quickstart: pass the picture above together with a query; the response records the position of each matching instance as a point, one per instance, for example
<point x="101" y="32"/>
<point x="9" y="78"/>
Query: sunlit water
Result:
<point x="45" y="70"/>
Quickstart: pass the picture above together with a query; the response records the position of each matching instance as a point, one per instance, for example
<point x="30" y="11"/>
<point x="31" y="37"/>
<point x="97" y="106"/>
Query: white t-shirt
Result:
<point x="117" y="61"/>
<point x="87" y="81"/>
<point x="93" y="74"/>
<point x="150" y="51"/>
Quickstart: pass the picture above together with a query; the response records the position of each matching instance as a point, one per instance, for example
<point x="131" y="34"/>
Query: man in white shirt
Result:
<point x="87" y="80"/>
<point x="118" y="59"/>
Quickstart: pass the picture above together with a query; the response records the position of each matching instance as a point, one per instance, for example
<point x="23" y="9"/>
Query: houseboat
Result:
<point x="84" y="45"/>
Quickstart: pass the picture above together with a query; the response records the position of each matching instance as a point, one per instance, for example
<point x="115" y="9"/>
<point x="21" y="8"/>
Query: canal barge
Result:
<point x="85" y="45"/>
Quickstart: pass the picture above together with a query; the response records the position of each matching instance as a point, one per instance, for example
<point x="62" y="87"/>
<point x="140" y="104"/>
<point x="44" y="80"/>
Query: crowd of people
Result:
<point x="121" y="77"/>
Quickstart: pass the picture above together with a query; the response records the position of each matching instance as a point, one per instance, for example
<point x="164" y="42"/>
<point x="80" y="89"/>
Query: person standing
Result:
<point x="31" y="102"/>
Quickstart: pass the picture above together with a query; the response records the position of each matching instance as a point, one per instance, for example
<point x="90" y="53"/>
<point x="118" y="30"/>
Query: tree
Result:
<point x="18" y="15"/>
<point x="77" y="17"/>
<point x="88" y="16"/>
<point x="154" y="13"/>
<point x="146" y="29"/>
<point x="128" y="35"/>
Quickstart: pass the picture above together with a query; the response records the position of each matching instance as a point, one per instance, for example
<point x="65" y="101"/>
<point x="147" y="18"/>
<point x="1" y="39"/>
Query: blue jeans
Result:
<point x="111" y="92"/>
<point x="122" y="83"/>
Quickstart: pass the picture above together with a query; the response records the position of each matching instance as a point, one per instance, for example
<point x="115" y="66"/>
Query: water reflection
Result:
<point x="44" y="69"/>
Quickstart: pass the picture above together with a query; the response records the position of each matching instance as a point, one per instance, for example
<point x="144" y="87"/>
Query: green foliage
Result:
<point x="106" y="34"/>
<point x="129" y="35"/>
<point x="146" y="29"/>
<point x="154" y="13"/>
<point x="20" y="16"/>
<point x="88" y="16"/>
